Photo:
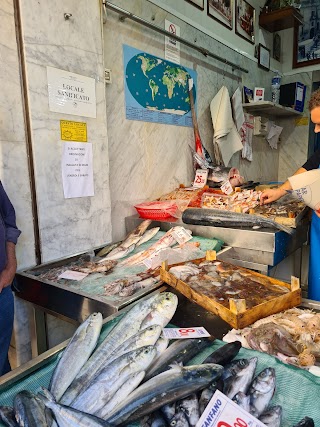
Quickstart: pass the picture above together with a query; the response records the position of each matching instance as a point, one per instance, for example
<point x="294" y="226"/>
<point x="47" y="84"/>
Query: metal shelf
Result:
<point x="270" y="109"/>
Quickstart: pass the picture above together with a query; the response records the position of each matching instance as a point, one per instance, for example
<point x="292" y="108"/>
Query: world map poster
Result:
<point x="156" y="90"/>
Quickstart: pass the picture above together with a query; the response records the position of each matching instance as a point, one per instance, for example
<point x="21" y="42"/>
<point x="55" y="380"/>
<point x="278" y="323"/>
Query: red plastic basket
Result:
<point x="157" y="210"/>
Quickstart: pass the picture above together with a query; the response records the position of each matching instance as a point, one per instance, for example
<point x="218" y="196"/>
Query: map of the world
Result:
<point x="156" y="90"/>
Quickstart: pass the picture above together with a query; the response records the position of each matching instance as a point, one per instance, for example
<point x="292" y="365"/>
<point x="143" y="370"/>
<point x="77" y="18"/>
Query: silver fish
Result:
<point x="206" y="396"/>
<point x="179" y="420"/>
<point x="107" y="249"/>
<point x="135" y="235"/>
<point x="221" y="218"/>
<point x="168" y="411"/>
<point x="242" y="400"/>
<point x="162" y="312"/>
<point x="261" y="391"/>
<point x="69" y="417"/>
<point x="190" y="406"/>
<point x="75" y="355"/>
<point x="7" y="416"/>
<point x="128" y="326"/>
<point x="117" y="253"/>
<point x="161" y="345"/>
<point x="164" y="388"/>
<point x="271" y="417"/>
<point x="148" y="235"/>
<point x="111" y="378"/>
<point x="29" y="410"/>
<point x="241" y="381"/>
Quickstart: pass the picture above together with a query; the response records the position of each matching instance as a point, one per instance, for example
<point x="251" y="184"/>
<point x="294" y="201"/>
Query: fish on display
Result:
<point x="168" y="411"/>
<point x="242" y="374"/>
<point x="190" y="406"/>
<point x="166" y="387"/>
<point x="128" y="326"/>
<point x="156" y="420"/>
<point x="181" y="351"/>
<point x="224" y="354"/>
<point x="271" y="417"/>
<point x="107" y="249"/>
<point x="69" y="417"/>
<point x="161" y="345"/>
<point x="7" y="416"/>
<point x="242" y="400"/>
<point x="222" y="218"/>
<point x="206" y="395"/>
<point x="142" y="284"/>
<point x="305" y="422"/>
<point x="117" y="253"/>
<point x="95" y="267"/>
<point x="75" y="355"/>
<point x="179" y="420"/>
<point x="29" y="410"/>
<point x="261" y="391"/>
<point x="148" y="235"/>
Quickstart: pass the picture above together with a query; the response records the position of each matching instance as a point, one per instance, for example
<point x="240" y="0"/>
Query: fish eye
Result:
<point x="173" y="423"/>
<point x="242" y="363"/>
<point x="263" y="374"/>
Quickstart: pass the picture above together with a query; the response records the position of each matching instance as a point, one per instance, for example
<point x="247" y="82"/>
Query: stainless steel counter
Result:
<point x="255" y="249"/>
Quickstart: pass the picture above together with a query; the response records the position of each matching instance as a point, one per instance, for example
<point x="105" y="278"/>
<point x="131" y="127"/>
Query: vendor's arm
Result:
<point x="272" y="194"/>
<point x="7" y="275"/>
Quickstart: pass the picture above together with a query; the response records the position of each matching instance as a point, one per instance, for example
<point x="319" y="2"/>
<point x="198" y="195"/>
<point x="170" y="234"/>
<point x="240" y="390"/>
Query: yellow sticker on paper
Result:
<point x="73" y="131"/>
<point x="302" y="121"/>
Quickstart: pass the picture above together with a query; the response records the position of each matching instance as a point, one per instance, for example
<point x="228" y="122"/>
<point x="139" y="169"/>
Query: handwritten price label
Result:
<point x="223" y="412"/>
<point x="181" y="333"/>
<point x="226" y="187"/>
<point x="201" y="177"/>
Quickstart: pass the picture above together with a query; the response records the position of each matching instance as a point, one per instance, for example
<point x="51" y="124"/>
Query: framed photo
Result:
<point x="245" y="17"/>
<point x="263" y="57"/>
<point x="276" y="48"/>
<point x="306" y="46"/>
<point x="221" y="11"/>
<point x="197" y="3"/>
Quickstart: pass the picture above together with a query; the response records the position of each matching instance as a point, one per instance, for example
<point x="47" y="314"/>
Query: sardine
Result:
<point x="69" y="417"/>
<point x="242" y="400"/>
<point x="75" y="355"/>
<point x="261" y="391"/>
<point x="148" y="235"/>
<point x="168" y="411"/>
<point x="29" y="410"/>
<point x="271" y="417"/>
<point x="222" y="218"/>
<point x="305" y="422"/>
<point x="181" y="351"/>
<point x="7" y="416"/>
<point x="206" y="396"/>
<point x="102" y="388"/>
<point x="190" y="406"/>
<point x="162" y="389"/>
<point x="224" y="354"/>
<point x="179" y="420"/>
<point x="128" y="326"/>
<point x="241" y="381"/>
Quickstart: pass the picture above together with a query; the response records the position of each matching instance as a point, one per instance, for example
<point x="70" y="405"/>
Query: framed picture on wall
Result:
<point x="197" y="3"/>
<point x="221" y="10"/>
<point x="306" y="46"/>
<point x="263" y="57"/>
<point x="245" y="17"/>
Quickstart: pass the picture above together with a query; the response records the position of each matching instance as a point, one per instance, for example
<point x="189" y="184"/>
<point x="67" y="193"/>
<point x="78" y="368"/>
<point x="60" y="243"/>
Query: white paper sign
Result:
<point x="223" y="412"/>
<point x="172" y="46"/>
<point x="71" y="93"/>
<point x="182" y="235"/>
<point x="201" y="177"/>
<point x="181" y="333"/>
<point x="72" y="275"/>
<point x="77" y="171"/>
<point x="226" y="187"/>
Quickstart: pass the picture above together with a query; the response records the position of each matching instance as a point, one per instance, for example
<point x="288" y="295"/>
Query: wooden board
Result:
<point x="237" y="315"/>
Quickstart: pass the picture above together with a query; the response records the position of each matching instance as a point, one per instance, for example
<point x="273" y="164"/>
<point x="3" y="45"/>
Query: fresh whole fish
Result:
<point x="271" y="417"/>
<point x="111" y="378"/>
<point x="206" y="396"/>
<point x="29" y="410"/>
<point x="162" y="311"/>
<point x="128" y="326"/>
<point x="261" y="391"/>
<point x="116" y="286"/>
<point x="242" y="400"/>
<point x="183" y="271"/>
<point x="157" y="420"/>
<point x="221" y="218"/>
<point x="69" y="417"/>
<point x="117" y="253"/>
<point x="305" y="422"/>
<point x="7" y="416"/>
<point x="148" y="235"/>
<point x="233" y="368"/>
<point x="161" y="345"/>
<point x="107" y="249"/>
<point x="190" y="406"/>
<point x="166" y="387"/>
<point x="168" y="411"/>
<point x="224" y="354"/>
<point x="75" y="355"/>
<point x="241" y="380"/>
<point x="181" y="351"/>
<point x="179" y="420"/>
<point x="135" y="235"/>
<point x="146" y="283"/>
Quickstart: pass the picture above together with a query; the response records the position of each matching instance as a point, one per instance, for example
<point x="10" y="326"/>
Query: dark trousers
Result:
<point x="6" y="326"/>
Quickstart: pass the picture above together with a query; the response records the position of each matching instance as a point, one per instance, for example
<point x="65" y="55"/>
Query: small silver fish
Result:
<point x="244" y="371"/>
<point x="242" y="400"/>
<point x="261" y="391"/>
<point x="168" y="411"/>
<point x="190" y="406"/>
<point x="148" y="235"/>
<point x="179" y="420"/>
<point x="117" y="253"/>
<point x="271" y="417"/>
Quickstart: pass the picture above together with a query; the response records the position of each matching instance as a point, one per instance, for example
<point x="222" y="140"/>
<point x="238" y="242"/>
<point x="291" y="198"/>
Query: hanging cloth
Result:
<point x="314" y="264"/>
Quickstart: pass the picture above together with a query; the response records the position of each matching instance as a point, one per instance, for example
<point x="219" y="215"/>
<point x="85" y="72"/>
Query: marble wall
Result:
<point x="149" y="159"/>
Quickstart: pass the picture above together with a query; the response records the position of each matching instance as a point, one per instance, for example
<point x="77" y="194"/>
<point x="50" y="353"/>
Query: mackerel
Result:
<point x="75" y="355"/>
<point x="7" y="416"/>
<point x="241" y="380"/>
<point x="224" y="354"/>
<point x="29" y="410"/>
<point x="128" y="326"/>
<point x="166" y="387"/>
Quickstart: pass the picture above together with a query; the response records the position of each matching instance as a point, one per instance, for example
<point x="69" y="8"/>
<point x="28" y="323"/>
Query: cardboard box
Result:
<point x="293" y="95"/>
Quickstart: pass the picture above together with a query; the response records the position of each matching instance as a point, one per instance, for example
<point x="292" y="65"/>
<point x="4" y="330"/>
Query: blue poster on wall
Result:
<point x="156" y="90"/>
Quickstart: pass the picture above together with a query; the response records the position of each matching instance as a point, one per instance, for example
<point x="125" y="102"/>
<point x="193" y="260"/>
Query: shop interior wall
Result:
<point x="150" y="159"/>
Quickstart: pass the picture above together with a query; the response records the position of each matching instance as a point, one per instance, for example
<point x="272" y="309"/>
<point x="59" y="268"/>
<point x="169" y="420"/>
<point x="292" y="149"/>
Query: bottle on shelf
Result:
<point x="275" y="88"/>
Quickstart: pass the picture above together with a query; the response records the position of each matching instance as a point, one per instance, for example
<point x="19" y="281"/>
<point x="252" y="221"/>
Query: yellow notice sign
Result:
<point x="302" y="121"/>
<point x="73" y="131"/>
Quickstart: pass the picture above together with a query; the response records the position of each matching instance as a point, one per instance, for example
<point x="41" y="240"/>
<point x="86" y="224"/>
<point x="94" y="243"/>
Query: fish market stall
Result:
<point x="99" y="350"/>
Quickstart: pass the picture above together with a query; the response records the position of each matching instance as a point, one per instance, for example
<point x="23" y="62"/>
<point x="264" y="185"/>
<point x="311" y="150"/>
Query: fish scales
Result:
<point x="128" y="326"/>
<point x="29" y="410"/>
<point x="75" y="355"/>
<point x="7" y="416"/>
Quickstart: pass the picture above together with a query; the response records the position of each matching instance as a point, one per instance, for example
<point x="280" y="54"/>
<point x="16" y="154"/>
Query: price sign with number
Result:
<point x="226" y="187"/>
<point x="223" y="412"/>
<point x="180" y="333"/>
<point x="201" y="177"/>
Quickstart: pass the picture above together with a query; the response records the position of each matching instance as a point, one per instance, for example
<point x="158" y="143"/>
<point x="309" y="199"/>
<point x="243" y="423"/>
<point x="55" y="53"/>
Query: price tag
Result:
<point x="201" y="177"/>
<point x="181" y="235"/>
<point x="223" y="412"/>
<point x="181" y="333"/>
<point x="72" y="275"/>
<point x="226" y="187"/>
